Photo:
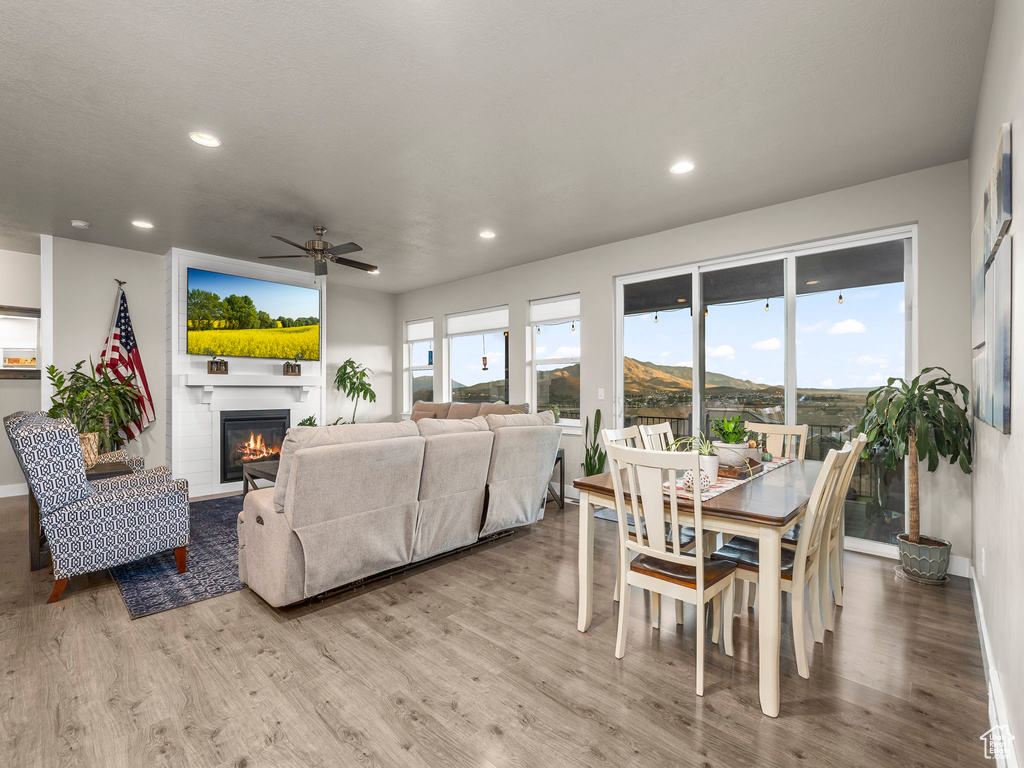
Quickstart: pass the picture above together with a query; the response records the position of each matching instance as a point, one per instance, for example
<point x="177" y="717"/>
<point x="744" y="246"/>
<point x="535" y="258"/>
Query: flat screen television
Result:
<point x="234" y="316"/>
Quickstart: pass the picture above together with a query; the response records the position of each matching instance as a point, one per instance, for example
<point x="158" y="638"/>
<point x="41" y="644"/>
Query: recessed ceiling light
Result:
<point x="487" y="234"/>
<point x="683" y="166"/>
<point x="204" y="139"/>
<point x="812" y="282"/>
<point x="142" y="224"/>
<point x="79" y="224"/>
<point x="681" y="301"/>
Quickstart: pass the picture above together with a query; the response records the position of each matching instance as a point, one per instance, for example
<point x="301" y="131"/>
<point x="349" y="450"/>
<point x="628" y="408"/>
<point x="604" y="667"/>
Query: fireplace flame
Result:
<point x="255" y="448"/>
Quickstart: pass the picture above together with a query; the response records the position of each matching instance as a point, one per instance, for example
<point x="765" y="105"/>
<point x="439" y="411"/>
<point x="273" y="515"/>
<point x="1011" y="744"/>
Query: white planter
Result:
<point x="735" y="455"/>
<point x="709" y="464"/>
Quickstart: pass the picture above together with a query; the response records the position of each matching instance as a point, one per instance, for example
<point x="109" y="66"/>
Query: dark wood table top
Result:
<point x="774" y="498"/>
<point x="266" y="469"/>
<point x="107" y="469"/>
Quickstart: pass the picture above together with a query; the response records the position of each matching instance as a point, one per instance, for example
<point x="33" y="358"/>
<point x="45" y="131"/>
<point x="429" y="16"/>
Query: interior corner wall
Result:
<point x="19" y="287"/>
<point x="360" y="325"/>
<point x="998" y="509"/>
<point x="935" y="199"/>
<point x="84" y="290"/>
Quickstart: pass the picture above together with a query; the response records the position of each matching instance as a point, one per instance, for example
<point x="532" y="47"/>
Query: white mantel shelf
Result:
<point x="209" y="382"/>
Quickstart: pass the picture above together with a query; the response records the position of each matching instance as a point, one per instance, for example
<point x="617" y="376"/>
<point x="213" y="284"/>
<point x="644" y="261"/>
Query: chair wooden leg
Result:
<point x="620" y="636"/>
<point x="727" y="616"/>
<point x="702" y="629"/>
<point x="836" y="559"/>
<point x="798" y="618"/>
<point x="181" y="559"/>
<point x="752" y="594"/>
<point x="814" y="606"/>
<point x="656" y="610"/>
<point x="679" y="611"/>
<point x="716" y="618"/>
<point x="58" y="590"/>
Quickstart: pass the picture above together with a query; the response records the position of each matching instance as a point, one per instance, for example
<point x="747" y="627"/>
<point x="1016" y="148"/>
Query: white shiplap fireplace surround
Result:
<point x="196" y="399"/>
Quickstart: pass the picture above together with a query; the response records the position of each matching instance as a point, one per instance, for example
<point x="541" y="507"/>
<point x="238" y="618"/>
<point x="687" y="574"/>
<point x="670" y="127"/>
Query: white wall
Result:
<point x="19" y="287"/>
<point x="998" y="510"/>
<point x="84" y="290"/>
<point x="360" y="325"/>
<point x="935" y="198"/>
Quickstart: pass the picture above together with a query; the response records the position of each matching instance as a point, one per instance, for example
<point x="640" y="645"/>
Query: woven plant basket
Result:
<point x="90" y="448"/>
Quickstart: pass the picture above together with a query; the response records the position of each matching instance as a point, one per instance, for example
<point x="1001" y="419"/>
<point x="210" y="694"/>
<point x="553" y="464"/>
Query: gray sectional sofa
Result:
<point x="355" y="500"/>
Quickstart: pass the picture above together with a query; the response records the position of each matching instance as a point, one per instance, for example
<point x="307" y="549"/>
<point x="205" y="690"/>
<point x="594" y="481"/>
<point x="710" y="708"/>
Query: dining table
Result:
<point x="763" y="508"/>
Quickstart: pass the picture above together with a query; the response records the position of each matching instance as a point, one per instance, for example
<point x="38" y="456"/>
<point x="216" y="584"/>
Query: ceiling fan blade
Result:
<point x="289" y="242"/>
<point x="354" y="264"/>
<point x="319" y="267"/>
<point x="288" y="256"/>
<point x="341" y="250"/>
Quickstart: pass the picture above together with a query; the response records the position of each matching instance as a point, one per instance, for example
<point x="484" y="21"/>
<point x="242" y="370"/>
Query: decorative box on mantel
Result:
<point x="302" y="385"/>
<point x="293" y="368"/>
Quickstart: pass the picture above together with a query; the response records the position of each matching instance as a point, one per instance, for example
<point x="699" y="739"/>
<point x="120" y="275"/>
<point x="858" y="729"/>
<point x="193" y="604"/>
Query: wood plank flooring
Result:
<point x="473" y="661"/>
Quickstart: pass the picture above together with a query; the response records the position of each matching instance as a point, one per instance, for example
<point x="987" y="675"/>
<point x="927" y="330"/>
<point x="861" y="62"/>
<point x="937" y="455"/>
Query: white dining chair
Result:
<point x="779" y="438"/>
<point x="836" y="534"/>
<point x="800" y="567"/>
<point x="661" y="567"/>
<point x="657" y="437"/>
<point x="627" y="436"/>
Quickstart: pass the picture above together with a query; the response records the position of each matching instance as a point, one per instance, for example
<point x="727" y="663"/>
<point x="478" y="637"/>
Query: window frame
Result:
<point x="572" y="424"/>
<point x="410" y="369"/>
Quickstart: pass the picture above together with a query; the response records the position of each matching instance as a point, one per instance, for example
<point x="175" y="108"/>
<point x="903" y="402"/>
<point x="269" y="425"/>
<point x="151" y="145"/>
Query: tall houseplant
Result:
<point x="353" y="380"/>
<point x="920" y="420"/>
<point x="96" y="402"/>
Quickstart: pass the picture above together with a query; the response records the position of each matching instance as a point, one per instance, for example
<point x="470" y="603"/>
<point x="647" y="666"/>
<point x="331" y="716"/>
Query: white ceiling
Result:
<point x="411" y="125"/>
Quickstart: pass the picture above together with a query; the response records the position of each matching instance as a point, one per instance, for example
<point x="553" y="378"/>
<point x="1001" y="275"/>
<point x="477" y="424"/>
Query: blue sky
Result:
<point x="858" y="343"/>
<point x="276" y="299"/>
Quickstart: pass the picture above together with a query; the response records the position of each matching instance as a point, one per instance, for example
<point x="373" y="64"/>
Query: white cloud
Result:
<point x="871" y="361"/>
<point x="541" y="351"/>
<point x="848" y="326"/>
<point x="684" y="364"/>
<point x="567" y="352"/>
<point x="723" y="351"/>
<point x="827" y="383"/>
<point x="766" y="345"/>
<point x="810" y="327"/>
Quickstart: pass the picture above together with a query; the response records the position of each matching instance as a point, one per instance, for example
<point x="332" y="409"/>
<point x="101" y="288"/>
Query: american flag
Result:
<point x="121" y="357"/>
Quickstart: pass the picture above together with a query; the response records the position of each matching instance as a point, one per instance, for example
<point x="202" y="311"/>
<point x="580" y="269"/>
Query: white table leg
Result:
<point x="768" y="616"/>
<point x="586" y="566"/>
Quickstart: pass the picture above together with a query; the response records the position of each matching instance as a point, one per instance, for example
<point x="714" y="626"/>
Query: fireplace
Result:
<point x="250" y="436"/>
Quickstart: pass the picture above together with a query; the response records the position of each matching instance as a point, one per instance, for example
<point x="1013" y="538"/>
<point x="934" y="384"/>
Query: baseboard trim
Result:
<point x="997" y="714"/>
<point x="15" y="489"/>
<point x="958" y="564"/>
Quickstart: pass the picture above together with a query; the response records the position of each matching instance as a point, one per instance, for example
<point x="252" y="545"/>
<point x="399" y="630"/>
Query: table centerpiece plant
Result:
<point x="733" y="446"/>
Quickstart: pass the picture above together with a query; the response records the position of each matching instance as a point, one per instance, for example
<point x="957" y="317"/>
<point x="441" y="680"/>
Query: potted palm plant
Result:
<point x="353" y="380"/>
<point x="918" y="421"/>
<point x="98" y="404"/>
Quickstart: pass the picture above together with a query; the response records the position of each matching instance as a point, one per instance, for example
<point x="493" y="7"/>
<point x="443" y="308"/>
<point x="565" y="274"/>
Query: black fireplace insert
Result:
<point x="250" y="436"/>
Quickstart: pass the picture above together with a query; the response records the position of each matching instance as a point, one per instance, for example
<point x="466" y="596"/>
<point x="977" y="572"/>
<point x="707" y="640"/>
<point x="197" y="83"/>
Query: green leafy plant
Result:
<point x="94" y="401"/>
<point x="593" y="454"/>
<point x="309" y="421"/>
<point x="353" y="380"/>
<point x="729" y="430"/>
<point x="697" y="443"/>
<point x="920" y="420"/>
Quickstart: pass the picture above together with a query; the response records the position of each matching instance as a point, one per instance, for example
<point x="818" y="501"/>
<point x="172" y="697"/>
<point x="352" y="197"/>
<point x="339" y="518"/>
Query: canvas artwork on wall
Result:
<point x="992" y="295"/>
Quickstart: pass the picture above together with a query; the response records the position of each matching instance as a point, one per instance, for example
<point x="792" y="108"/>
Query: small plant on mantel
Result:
<point x="917" y="421"/>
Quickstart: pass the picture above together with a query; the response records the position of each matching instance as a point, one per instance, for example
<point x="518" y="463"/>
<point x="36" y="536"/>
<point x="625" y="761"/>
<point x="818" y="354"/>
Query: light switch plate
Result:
<point x="600" y="393"/>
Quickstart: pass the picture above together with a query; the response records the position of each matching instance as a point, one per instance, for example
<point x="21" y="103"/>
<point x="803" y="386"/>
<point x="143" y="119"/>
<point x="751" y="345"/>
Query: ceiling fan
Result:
<point x="322" y="252"/>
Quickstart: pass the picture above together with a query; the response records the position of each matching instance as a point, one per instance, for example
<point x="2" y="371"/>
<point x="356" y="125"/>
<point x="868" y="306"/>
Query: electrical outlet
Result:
<point x="600" y="393"/>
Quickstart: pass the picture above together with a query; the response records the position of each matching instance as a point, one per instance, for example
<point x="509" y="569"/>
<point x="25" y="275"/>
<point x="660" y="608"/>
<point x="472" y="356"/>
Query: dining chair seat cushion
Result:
<point x="744" y="553"/>
<point x="792" y="536"/>
<point x="678" y="573"/>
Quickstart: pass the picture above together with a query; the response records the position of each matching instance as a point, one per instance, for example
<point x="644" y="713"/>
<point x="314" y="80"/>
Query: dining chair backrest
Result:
<point x="643" y="474"/>
<point x="628" y="437"/>
<point x="779" y="438"/>
<point x="657" y="437"/>
<point x="843" y="487"/>
<point x="820" y="506"/>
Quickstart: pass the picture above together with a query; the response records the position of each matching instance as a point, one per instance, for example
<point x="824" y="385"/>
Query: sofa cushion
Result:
<point x="341" y="434"/>
<point x="504" y="409"/>
<point x="463" y="410"/>
<point x="423" y="410"/>
<point x="542" y="419"/>
<point x="431" y="427"/>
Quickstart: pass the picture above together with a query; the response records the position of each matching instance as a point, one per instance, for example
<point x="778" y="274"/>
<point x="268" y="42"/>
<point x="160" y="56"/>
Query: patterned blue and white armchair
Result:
<point x="95" y="525"/>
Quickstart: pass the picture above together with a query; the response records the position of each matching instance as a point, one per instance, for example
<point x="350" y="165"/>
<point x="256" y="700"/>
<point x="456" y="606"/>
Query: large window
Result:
<point x="555" y="325"/>
<point x="795" y="337"/>
<point x="419" y="336"/>
<point x="478" y="356"/>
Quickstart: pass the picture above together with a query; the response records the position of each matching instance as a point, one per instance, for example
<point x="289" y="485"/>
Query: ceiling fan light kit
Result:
<point x="323" y="252"/>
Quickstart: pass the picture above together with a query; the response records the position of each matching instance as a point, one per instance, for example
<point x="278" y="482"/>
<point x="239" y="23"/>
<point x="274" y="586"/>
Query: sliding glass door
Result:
<point x="797" y="336"/>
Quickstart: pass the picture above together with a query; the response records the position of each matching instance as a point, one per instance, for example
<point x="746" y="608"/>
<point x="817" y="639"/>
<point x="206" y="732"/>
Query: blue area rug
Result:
<point x="153" y="584"/>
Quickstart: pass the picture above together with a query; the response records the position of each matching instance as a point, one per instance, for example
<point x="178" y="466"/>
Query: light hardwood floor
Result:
<point x="473" y="661"/>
